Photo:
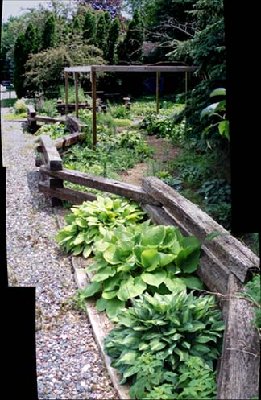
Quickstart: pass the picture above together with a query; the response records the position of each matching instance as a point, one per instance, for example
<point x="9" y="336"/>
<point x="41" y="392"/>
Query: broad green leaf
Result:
<point x="209" y="110"/>
<point x="165" y="259"/>
<point x="175" y="285"/>
<point x="223" y="128"/>
<point x="218" y="92"/>
<point x="153" y="236"/>
<point x="113" y="307"/>
<point x="192" y="282"/>
<point x="154" y="279"/>
<point x="109" y="295"/>
<point x="150" y="258"/>
<point x="92" y="289"/>
<point x="131" y="288"/>
<point x="104" y="274"/>
<point x="101" y="304"/>
<point x="77" y="250"/>
<point x="87" y="251"/>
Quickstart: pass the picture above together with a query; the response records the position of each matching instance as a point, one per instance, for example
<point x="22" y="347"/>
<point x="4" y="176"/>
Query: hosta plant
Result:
<point x="84" y="223"/>
<point x="163" y="340"/>
<point x="132" y="260"/>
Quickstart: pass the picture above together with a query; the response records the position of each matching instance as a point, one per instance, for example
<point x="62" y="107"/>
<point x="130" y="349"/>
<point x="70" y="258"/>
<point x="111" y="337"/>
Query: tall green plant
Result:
<point x="89" y="27"/>
<point x="48" y="36"/>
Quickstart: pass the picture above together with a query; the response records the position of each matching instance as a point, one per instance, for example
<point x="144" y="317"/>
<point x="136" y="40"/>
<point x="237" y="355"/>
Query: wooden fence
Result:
<point x="73" y="124"/>
<point x="225" y="264"/>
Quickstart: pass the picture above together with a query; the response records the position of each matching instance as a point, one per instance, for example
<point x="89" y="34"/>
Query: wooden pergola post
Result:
<point x="66" y="92"/>
<point x="76" y="95"/>
<point x="94" y="111"/>
<point x="186" y="85"/>
<point x="157" y="91"/>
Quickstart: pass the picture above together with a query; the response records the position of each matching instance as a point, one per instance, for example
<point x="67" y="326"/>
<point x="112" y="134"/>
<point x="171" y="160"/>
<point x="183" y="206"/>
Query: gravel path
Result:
<point x="69" y="365"/>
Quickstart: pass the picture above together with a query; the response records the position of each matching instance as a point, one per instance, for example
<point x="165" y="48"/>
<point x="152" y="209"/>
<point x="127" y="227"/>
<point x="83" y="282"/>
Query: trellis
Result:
<point x="92" y="70"/>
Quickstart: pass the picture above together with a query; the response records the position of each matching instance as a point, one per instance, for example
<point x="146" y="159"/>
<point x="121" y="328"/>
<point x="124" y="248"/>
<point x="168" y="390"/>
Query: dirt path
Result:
<point x="163" y="153"/>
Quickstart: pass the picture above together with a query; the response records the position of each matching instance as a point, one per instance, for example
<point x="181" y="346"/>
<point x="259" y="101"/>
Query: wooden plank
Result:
<point x="74" y="124"/>
<point x="39" y="159"/>
<point x="69" y="140"/>
<point x="71" y="195"/>
<point x="238" y="376"/>
<point x="49" y="119"/>
<point x="76" y="95"/>
<point x="94" y="111"/>
<point x="31" y="110"/>
<point x="51" y="155"/>
<point x="157" y="91"/>
<point x="107" y="185"/>
<point x="230" y="251"/>
<point x="158" y="215"/>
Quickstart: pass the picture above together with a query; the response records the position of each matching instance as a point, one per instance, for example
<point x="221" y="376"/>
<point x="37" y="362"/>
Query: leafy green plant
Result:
<point x="48" y="108"/>
<point x="20" y="107"/>
<point x="218" y="111"/>
<point x="167" y="339"/>
<point x="129" y="261"/>
<point x="53" y="130"/>
<point x="85" y="222"/>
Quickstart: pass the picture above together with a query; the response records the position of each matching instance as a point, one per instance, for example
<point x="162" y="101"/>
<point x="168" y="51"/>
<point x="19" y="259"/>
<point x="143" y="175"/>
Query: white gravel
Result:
<point x="69" y="365"/>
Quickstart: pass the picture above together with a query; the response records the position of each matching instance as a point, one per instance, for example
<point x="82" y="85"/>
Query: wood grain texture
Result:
<point x="51" y="155"/>
<point x="238" y="376"/>
<point x="71" y="195"/>
<point x="107" y="185"/>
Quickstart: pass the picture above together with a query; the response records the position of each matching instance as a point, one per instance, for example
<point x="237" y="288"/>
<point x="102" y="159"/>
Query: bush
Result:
<point x="20" y="107"/>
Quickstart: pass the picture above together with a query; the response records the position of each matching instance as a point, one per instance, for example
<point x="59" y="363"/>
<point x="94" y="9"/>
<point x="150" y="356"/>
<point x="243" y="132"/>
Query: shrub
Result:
<point x="20" y="107"/>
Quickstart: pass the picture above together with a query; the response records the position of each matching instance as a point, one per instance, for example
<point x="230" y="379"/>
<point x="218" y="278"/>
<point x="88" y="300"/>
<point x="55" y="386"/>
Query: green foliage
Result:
<point x="217" y="111"/>
<point x="82" y="98"/>
<point x="129" y="261"/>
<point x="48" y="107"/>
<point x="55" y="131"/>
<point x="89" y="27"/>
<point x="164" y="126"/>
<point x="85" y="222"/>
<point x="45" y="69"/>
<point x="167" y="341"/>
<point x="102" y="33"/>
<point x="113" y="38"/>
<point x="253" y="292"/>
<point x="130" y="49"/>
<point x="48" y="36"/>
<point x="20" y="107"/>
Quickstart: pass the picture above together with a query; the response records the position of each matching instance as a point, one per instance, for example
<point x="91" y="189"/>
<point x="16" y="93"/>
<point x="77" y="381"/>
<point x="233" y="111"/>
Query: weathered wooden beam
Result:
<point x="51" y="155"/>
<point x="229" y="251"/>
<point x="107" y="185"/>
<point x="71" y="195"/>
<point x="158" y="215"/>
<point x="74" y="124"/>
<point x="39" y="159"/>
<point x="157" y="91"/>
<point x="129" y="68"/>
<point x="94" y="110"/>
<point x="238" y="376"/>
<point x="76" y="95"/>
<point x="66" y="92"/>
<point x="49" y="119"/>
<point x="69" y="140"/>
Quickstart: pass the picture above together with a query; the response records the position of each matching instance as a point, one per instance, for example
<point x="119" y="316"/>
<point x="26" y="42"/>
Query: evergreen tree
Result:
<point x="101" y="39"/>
<point x="89" y="27"/>
<point x="130" y="49"/>
<point x="20" y="57"/>
<point x="113" y="38"/>
<point x="48" y="37"/>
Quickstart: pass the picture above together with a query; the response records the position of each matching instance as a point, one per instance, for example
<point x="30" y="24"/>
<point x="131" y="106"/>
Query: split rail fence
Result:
<point x="225" y="265"/>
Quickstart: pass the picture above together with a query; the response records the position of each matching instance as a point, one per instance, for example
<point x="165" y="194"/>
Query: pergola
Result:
<point x="92" y="71"/>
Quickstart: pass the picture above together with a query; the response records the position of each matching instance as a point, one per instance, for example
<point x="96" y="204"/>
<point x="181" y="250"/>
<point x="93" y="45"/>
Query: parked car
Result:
<point x="3" y="88"/>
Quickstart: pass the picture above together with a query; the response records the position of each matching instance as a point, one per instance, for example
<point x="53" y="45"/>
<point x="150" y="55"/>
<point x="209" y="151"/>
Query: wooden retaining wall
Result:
<point x="225" y="265"/>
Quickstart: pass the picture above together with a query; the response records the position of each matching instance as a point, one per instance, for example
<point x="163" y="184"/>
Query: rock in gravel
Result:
<point x="69" y="365"/>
